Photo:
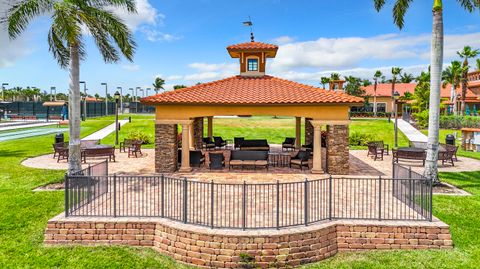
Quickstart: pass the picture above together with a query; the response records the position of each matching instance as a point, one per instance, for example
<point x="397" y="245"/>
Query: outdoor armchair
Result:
<point x="301" y="159"/>
<point x="288" y="144"/>
<point x="219" y="142"/>
<point x="217" y="160"/>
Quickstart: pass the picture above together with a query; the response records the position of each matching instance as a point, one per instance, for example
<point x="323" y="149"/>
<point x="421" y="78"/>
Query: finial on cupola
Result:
<point x="249" y="23"/>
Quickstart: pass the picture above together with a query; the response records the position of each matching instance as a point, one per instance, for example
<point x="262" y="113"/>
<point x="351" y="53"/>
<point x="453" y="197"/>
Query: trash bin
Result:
<point x="59" y="138"/>
<point x="450" y="139"/>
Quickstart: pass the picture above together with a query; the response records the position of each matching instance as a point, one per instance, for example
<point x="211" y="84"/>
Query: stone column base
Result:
<point x="166" y="149"/>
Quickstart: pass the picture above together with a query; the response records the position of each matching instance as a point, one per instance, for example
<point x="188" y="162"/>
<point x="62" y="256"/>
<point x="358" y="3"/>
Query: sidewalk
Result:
<point x="98" y="135"/>
<point x="411" y="132"/>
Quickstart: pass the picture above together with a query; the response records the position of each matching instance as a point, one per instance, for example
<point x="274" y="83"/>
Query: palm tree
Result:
<point x="406" y="78"/>
<point x="158" y="84"/>
<point x="453" y="75"/>
<point x="334" y="76"/>
<point x="399" y="10"/>
<point x="324" y="81"/>
<point x="395" y="72"/>
<point x="66" y="43"/>
<point x="466" y="54"/>
<point x="378" y="74"/>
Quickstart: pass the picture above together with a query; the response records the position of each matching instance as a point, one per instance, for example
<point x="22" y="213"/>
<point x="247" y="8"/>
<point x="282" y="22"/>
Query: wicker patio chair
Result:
<point x="288" y="144"/>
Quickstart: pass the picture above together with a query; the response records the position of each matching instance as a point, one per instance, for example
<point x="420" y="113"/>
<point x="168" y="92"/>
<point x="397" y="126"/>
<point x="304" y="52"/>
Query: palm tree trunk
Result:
<point x="74" y="161"/>
<point x="464" y="87"/>
<point x="375" y="100"/>
<point x="431" y="168"/>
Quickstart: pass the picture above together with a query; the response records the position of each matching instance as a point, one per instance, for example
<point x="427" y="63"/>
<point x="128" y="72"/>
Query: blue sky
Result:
<point x="184" y="42"/>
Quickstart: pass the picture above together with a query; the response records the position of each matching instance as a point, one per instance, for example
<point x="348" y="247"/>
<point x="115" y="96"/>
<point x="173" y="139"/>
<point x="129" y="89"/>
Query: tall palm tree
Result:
<point x="406" y="78"/>
<point x="66" y="43"/>
<point x="466" y="53"/>
<point x="399" y="10"/>
<point x="334" y="76"/>
<point x="158" y="84"/>
<point x="395" y="72"/>
<point x="453" y="75"/>
<point x="378" y="74"/>
<point x="324" y="81"/>
<point x="478" y="64"/>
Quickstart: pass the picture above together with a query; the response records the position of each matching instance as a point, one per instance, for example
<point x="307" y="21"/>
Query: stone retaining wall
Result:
<point x="213" y="248"/>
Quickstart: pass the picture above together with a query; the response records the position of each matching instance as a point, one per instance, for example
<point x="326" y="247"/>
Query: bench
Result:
<point x="30" y="117"/>
<point x="242" y="158"/>
<point x="98" y="152"/>
<point x="255" y="144"/>
<point x="128" y="143"/>
<point x="16" y="117"/>
<point x="54" y="117"/>
<point x="409" y="155"/>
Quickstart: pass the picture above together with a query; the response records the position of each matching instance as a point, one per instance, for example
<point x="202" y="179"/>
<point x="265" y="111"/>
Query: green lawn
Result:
<point x="24" y="213"/>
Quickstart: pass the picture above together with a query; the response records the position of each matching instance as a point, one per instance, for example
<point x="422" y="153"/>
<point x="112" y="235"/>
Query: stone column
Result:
<point x="185" y="166"/>
<point x="308" y="131"/>
<point x="166" y="149"/>
<point x="197" y="133"/>
<point x="317" y="148"/>
<point x="298" y="138"/>
<point x="210" y="126"/>
<point x="337" y="150"/>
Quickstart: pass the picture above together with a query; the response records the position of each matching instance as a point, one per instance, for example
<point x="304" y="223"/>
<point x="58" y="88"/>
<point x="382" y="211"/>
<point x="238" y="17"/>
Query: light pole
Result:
<point x="106" y="98"/>
<point x="84" y="100"/>
<point x="117" y="99"/>
<point x="396" y="96"/>
<point x="131" y="99"/>
<point x="3" y="90"/>
<point x="136" y="99"/>
<point x="121" y="99"/>
<point x="53" y="97"/>
<point x="148" y="89"/>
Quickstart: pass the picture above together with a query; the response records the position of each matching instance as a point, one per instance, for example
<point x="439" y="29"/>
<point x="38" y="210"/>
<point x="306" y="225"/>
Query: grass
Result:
<point x="24" y="213"/>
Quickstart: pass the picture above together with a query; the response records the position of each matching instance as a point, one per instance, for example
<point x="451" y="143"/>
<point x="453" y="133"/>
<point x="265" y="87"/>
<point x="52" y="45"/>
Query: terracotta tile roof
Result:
<point x="252" y="46"/>
<point x="263" y="90"/>
<point x="385" y="90"/>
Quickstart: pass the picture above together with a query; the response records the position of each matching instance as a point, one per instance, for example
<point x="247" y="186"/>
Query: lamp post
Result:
<point x="121" y="99"/>
<point x="136" y="99"/>
<point x="148" y="89"/>
<point x="53" y="97"/>
<point x="131" y="99"/>
<point x="117" y="99"/>
<point x="396" y="96"/>
<point x="3" y="90"/>
<point x="84" y="100"/>
<point x="106" y="97"/>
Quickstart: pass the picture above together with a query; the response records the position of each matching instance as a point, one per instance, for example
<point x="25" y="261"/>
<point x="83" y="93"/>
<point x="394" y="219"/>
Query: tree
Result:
<point x="176" y="87"/>
<point x="395" y="72"/>
<point x="406" y="78"/>
<point x="453" y="75"/>
<point x="478" y="64"/>
<point x="70" y="18"/>
<point x="399" y="10"/>
<point x="422" y="92"/>
<point x="466" y="53"/>
<point x="324" y="81"/>
<point x="378" y="74"/>
<point x="158" y="84"/>
<point x="334" y="76"/>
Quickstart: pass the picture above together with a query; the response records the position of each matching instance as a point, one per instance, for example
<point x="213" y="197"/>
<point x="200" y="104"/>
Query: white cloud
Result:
<point x="147" y="20"/>
<point x="12" y="50"/>
<point x="349" y="52"/>
<point x="131" y="67"/>
<point x="283" y="40"/>
<point x="205" y="67"/>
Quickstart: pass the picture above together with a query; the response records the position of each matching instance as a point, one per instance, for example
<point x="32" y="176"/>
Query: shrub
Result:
<point x="139" y="135"/>
<point x="458" y="122"/>
<point x="421" y="118"/>
<point x="360" y="139"/>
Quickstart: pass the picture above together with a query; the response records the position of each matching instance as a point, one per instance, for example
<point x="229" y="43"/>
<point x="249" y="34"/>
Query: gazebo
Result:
<point x="252" y="92"/>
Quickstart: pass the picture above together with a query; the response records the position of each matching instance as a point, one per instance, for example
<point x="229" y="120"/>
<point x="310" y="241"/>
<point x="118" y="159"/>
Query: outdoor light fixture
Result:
<point x="53" y="89"/>
<point x="117" y="99"/>
<point x="106" y="97"/>
<point x="85" y="99"/>
<point x="396" y="96"/>
<point x="121" y="99"/>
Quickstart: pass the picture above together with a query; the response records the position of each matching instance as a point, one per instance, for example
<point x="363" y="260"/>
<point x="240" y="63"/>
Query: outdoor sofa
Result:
<point x="255" y="144"/>
<point x="243" y="158"/>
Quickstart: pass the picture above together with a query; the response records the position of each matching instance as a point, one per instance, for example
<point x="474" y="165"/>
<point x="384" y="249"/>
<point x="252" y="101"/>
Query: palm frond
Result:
<point x="129" y="5"/>
<point x="19" y="15"/>
<point x="378" y="4"/>
<point x="469" y="5"/>
<point x="57" y="47"/>
<point x="399" y="10"/>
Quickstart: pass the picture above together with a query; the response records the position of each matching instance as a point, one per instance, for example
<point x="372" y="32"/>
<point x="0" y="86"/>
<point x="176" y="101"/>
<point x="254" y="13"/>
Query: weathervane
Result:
<point x="249" y="23"/>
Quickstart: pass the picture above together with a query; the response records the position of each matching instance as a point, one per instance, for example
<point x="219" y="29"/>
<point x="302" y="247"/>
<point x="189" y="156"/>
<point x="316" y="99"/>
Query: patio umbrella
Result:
<point x="467" y="110"/>
<point x="475" y="110"/>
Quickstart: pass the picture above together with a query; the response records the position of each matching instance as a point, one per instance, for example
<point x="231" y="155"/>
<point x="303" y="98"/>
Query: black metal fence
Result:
<point x="406" y="196"/>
